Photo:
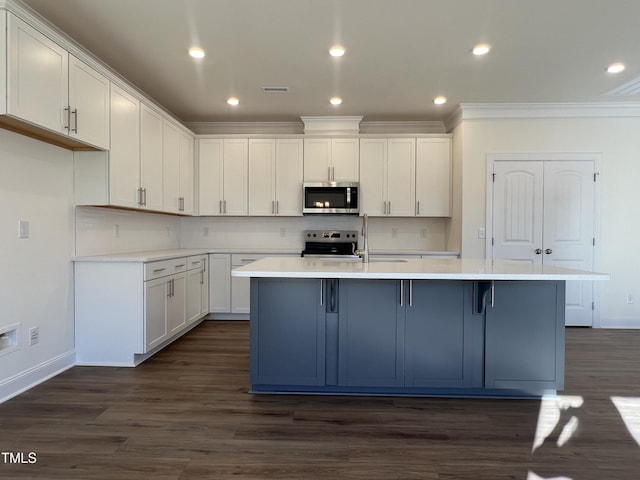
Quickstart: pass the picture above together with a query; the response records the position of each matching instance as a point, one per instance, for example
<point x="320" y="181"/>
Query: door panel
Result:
<point x="517" y="211"/>
<point x="568" y="230"/>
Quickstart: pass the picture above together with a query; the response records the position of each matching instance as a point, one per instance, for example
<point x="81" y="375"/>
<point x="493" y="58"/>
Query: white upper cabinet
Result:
<point x="185" y="152"/>
<point x="222" y="176"/>
<point x="387" y="176"/>
<point x="49" y="88"/>
<point x="331" y="159"/>
<point x="433" y="177"/>
<point x="275" y="177"/>
<point x="171" y="167"/>
<point x="124" y="157"/>
<point x="150" y="158"/>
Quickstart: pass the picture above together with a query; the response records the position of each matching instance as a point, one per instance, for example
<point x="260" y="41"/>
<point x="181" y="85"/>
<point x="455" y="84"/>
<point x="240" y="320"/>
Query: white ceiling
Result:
<point x="400" y="53"/>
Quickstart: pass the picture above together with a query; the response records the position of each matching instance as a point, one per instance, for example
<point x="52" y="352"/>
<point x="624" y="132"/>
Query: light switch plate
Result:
<point x="23" y="229"/>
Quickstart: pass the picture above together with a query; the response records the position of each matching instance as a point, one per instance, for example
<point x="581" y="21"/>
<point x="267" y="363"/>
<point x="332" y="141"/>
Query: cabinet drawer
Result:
<point x="164" y="267"/>
<point x="196" y="261"/>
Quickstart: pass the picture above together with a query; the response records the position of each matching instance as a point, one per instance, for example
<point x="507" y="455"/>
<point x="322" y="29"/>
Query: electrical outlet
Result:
<point x="205" y="232"/>
<point x="423" y="233"/>
<point x="116" y="230"/>
<point x="283" y="232"/>
<point x="168" y="231"/>
<point x="481" y="233"/>
<point x="34" y="335"/>
<point x="629" y="299"/>
<point x="394" y="232"/>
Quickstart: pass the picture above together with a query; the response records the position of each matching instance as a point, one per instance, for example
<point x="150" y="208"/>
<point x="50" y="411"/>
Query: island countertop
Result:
<point x="409" y="269"/>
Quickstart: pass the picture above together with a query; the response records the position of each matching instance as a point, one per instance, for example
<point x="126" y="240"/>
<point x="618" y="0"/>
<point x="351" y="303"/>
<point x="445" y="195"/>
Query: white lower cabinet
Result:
<point x="126" y="310"/>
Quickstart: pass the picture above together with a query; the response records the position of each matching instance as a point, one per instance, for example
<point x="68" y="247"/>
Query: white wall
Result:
<point x="617" y="140"/>
<point x="265" y="232"/>
<point x="105" y="230"/>
<point x="36" y="283"/>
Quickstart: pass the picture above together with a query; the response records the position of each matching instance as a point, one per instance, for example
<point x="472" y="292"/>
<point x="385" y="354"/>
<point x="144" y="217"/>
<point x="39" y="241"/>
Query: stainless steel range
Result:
<point x="330" y="243"/>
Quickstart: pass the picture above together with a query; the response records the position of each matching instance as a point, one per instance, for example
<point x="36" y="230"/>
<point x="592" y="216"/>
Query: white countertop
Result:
<point x="410" y="269"/>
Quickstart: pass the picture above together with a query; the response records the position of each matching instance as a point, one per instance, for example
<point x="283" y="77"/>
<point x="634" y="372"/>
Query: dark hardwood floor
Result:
<point x="186" y="414"/>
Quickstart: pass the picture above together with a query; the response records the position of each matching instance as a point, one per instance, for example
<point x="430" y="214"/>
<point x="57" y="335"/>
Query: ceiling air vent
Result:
<point x="275" y="89"/>
<point x="628" y="89"/>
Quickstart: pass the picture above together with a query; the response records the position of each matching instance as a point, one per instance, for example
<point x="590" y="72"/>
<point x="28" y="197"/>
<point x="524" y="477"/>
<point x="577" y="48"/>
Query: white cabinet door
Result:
<point x="373" y="178"/>
<point x="400" y="173"/>
<point x="288" y="173"/>
<point x="194" y="295"/>
<point x="317" y="159"/>
<point x="89" y="103"/>
<point x="170" y="167"/>
<point x="210" y="178"/>
<point x="345" y="159"/>
<point x="275" y="177"/>
<point x="37" y="77"/>
<point x="124" y="156"/>
<point x="433" y="177"/>
<point x="204" y="286"/>
<point x="151" y="157"/>
<point x="240" y="295"/>
<point x="176" y="304"/>
<point x="262" y="181"/>
<point x="186" y="173"/>
<point x="220" y="283"/>
<point x="235" y="173"/>
<point x="155" y="312"/>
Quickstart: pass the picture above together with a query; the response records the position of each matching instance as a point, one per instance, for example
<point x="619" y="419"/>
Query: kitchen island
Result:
<point x="433" y="327"/>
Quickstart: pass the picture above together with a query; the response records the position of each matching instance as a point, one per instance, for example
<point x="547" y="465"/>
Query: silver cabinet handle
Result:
<point x="144" y="196"/>
<point x="384" y="207"/>
<point x="248" y="259"/>
<point x="140" y="197"/>
<point x="329" y="173"/>
<point x="224" y="207"/>
<point x="67" y="127"/>
<point x="333" y="173"/>
<point x="418" y="208"/>
<point x="273" y="207"/>
<point x="389" y="211"/>
<point x="158" y="270"/>
<point x="220" y="207"/>
<point x="180" y="266"/>
<point x="196" y="262"/>
<point x="402" y="293"/>
<point x="321" y="292"/>
<point x="538" y="251"/>
<point x="548" y="251"/>
<point x="75" y="114"/>
<point x="277" y="207"/>
<point x="411" y="293"/>
<point x="493" y="293"/>
<point x="202" y="277"/>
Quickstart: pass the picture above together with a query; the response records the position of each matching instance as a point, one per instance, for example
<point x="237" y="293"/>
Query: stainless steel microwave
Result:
<point x="336" y="198"/>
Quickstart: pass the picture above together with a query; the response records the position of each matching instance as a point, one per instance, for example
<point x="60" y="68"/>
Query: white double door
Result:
<point x="543" y="213"/>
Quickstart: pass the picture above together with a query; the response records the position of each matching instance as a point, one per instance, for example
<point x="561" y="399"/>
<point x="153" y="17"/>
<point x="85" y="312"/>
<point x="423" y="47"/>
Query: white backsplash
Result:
<point x="287" y="232"/>
<point x="101" y="231"/>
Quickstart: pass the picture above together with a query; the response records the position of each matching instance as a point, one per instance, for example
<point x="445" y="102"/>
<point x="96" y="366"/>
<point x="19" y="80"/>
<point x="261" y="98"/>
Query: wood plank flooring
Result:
<point x="186" y="414"/>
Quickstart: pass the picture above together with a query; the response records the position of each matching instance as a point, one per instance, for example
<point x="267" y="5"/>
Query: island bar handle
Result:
<point x="493" y="293"/>
<point x="321" y="291"/>
<point x="411" y="293"/>
<point x="402" y="293"/>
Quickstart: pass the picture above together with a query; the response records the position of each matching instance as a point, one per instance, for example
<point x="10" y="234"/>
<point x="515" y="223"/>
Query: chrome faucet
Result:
<point x="364" y="252"/>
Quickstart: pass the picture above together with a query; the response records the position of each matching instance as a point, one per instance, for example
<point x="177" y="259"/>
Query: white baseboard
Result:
<point x="619" y="322"/>
<point x="23" y="381"/>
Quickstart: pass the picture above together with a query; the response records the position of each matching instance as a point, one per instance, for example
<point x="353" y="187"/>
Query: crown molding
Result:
<point x="408" y="127"/>
<point x="499" y="111"/>
<point x="245" y="128"/>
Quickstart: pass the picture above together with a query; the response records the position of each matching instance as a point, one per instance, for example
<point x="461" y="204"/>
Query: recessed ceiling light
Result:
<point x="481" y="49"/>
<point x="335" y="101"/>
<point x="616" y="68"/>
<point x="337" y="51"/>
<point x="440" y="100"/>
<point x="196" y="52"/>
<point x="233" y="101"/>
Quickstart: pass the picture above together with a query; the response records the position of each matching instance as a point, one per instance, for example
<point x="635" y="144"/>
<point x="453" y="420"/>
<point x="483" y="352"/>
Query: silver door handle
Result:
<point x="220" y="207"/>
<point x="329" y="173"/>
<point x="67" y="127"/>
<point x="333" y="173"/>
<point x="493" y="292"/>
<point x="277" y="207"/>
<point x="224" y="204"/>
<point x="273" y="207"/>
<point x="538" y="251"/>
<point x="389" y="212"/>
<point x="75" y="113"/>
<point x="140" y="203"/>
<point x="548" y="251"/>
<point x="144" y="196"/>
<point x="418" y="208"/>
<point x="411" y="293"/>
<point x="158" y="270"/>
